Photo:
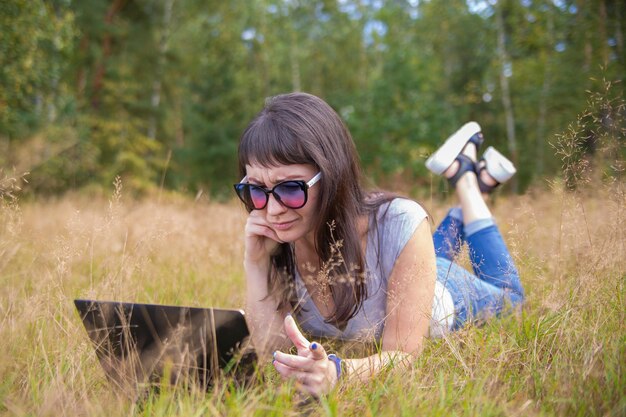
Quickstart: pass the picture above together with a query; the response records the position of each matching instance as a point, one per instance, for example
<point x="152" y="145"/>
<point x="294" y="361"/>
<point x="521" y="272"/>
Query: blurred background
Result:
<point x="158" y="91"/>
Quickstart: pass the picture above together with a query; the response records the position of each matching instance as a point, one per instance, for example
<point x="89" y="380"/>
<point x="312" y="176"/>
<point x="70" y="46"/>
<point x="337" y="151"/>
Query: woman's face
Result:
<point x="289" y="224"/>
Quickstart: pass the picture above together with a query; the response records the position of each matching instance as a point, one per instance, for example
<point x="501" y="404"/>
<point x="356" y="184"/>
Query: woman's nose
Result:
<point x="274" y="206"/>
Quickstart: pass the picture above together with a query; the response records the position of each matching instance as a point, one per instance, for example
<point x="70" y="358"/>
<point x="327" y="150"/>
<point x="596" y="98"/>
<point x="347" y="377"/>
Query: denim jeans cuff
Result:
<point x="456" y="213"/>
<point x="478" y="225"/>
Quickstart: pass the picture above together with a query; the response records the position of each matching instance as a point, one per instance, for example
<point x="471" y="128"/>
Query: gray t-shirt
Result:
<point x="397" y="221"/>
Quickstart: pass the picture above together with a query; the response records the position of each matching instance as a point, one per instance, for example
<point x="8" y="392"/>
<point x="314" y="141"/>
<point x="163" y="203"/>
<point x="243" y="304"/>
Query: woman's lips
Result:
<point x="283" y="225"/>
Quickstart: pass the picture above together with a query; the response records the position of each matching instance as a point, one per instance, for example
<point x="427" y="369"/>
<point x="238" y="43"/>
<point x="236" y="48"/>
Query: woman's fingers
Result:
<point x="317" y="351"/>
<point x="256" y="231"/>
<point x="301" y="376"/>
<point x="261" y="239"/>
<point x="314" y="383"/>
<point x="310" y="368"/>
<point x="257" y="226"/>
<point x="293" y="361"/>
<point x="285" y="370"/>
<point x="296" y="337"/>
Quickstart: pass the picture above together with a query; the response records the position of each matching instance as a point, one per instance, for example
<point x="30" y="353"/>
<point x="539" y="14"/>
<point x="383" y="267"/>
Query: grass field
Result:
<point x="565" y="355"/>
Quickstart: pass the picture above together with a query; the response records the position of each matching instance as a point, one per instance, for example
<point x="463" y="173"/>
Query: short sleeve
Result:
<point x="397" y="222"/>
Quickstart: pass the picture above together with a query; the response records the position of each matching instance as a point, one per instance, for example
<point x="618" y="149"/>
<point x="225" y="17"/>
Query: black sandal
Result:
<point x="498" y="167"/>
<point x="477" y="139"/>
<point x="465" y="165"/>
<point x="484" y="188"/>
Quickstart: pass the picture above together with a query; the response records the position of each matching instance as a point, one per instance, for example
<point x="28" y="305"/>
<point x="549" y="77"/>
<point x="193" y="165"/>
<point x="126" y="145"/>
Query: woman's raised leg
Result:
<point x="495" y="283"/>
<point x="448" y="237"/>
<point x="498" y="282"/>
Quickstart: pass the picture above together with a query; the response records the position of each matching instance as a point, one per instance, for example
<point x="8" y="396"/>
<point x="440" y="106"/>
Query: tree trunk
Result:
<point x="98" y="80"/>
<point x="619" y="40"/>
<point x="294" y="57"/>
<point x="543" y="99"/>
<point x="263" y="55"/>
<point x="587" y="46"/>
<point x="604" y="44"/>
<point x="448" y="66"/>
<point x="505" y="66"/>
<point x="155" y="100"/>
<point x="81" y="78"/>
<point x="619" y="34"/>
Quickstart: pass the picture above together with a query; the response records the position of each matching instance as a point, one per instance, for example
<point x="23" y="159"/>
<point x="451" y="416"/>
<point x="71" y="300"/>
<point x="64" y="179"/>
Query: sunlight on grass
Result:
<point x="564" y="355"/>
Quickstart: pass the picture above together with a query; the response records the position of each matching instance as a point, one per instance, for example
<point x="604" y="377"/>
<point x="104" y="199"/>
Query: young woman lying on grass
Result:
<point x="344" y="263"/>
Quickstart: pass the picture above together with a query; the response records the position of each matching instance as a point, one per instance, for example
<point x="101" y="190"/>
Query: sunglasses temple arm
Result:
<point x="315" y="179"/>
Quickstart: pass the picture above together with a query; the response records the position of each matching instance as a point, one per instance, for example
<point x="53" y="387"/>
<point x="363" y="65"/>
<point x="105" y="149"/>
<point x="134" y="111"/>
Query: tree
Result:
<point x="35" y="41"/>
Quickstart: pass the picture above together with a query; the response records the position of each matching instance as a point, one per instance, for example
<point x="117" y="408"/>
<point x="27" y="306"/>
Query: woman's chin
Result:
<point x="285" y="237"/>
<point x="288" y="236"/>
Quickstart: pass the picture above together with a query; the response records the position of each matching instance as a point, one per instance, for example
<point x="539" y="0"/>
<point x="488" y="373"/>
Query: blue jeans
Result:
<point x="495" y="284"/>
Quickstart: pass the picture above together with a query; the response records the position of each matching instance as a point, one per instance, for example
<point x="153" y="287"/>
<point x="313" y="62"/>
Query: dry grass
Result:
<point x="564" y="356"/>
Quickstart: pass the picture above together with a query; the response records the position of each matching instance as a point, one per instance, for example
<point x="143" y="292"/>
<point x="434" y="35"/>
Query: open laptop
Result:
<point x="149" y="344"/>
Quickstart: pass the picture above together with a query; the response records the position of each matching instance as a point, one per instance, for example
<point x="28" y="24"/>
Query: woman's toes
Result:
<point x="449" y="173"/>
<point x="487" y="179"/>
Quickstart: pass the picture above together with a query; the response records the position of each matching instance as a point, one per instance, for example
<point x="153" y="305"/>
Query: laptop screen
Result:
<point x="150" y="343"/>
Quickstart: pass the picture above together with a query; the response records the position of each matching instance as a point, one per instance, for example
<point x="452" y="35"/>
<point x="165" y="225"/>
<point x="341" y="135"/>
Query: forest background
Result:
<point x="107" y="105"/>
<point x="159" y="91"/>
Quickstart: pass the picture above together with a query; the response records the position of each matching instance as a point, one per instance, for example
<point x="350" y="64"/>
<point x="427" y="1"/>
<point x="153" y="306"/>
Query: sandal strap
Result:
<point x="465" y="165"/>
<point x="477" y="139"/>
<point x="485" y="188"/>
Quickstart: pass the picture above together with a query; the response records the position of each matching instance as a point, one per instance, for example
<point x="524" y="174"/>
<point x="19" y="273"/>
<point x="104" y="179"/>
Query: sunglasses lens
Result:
<point x="291" y="193"/>
<point x="252" y="196"/>
<point x="258" y="198"/>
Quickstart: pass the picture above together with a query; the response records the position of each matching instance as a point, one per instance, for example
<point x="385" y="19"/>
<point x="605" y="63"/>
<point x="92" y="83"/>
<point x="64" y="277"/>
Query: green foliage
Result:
<point x="128" y="82"/>
<point x="35" y="43"/>
<point x="594" y="144"/>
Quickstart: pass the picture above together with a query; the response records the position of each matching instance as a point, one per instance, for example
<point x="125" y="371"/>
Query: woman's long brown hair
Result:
<point x="299" y="128"/>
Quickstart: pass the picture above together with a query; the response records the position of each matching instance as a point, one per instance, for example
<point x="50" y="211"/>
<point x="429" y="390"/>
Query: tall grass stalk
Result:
<point x="564" y="355"/>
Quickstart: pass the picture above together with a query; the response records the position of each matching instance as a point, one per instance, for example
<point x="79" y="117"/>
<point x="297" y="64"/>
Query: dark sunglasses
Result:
<point x="291" y="194"/>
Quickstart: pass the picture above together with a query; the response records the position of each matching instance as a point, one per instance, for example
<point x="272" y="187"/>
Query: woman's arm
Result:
<point x="411" y="289"/>
<point x="410" y="293"/>
<point x="264" y="320"/>
<point x="363" y="369"/>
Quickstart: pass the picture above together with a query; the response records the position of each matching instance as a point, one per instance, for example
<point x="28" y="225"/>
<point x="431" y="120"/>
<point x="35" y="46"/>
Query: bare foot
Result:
<point x="484" y="175"/>
<point x="470" y="151"/>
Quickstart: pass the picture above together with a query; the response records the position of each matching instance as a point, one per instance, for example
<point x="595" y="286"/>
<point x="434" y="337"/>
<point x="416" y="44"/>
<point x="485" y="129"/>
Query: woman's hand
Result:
<point x="261" y="240"/>
<point x="310" y="368"/>
<point x="264" y="321"/>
